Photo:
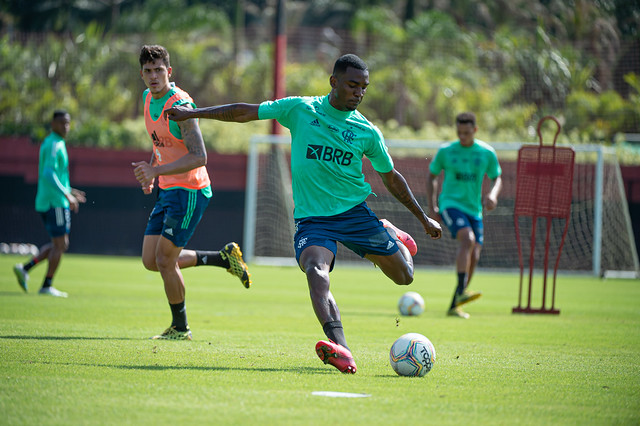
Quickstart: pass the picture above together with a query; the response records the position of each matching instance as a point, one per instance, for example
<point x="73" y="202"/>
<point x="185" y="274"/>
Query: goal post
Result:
<point x="599" y="240"/>
<point x="268" y="219"/>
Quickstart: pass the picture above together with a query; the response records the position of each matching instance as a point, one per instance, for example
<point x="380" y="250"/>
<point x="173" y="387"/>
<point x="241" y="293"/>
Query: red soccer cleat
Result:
<point x="336" y="355"/>
<point x="406" y="239"/>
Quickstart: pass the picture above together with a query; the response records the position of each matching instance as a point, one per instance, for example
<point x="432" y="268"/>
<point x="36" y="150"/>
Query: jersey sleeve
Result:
<point x="52" y="180"/>
<point x="436" y="164"/>
<point x="494" y="170"/>
<point x="378" y="153"/>
<point x="49" y="162"/>
<point x="278" y="110"/>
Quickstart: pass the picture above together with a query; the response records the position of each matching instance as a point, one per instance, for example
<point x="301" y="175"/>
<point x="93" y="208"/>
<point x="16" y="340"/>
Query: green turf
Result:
<point x="87" y="359"/>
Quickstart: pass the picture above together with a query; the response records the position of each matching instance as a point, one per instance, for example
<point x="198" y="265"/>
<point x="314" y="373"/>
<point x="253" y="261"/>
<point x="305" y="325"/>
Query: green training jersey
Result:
<point x="327" y="147"/>
<point x="464" y="169"/>
<point x="53" y="174"/>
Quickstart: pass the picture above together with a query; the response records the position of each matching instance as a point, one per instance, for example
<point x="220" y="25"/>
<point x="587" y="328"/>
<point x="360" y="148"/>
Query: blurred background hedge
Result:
<point x="512" y="62"/>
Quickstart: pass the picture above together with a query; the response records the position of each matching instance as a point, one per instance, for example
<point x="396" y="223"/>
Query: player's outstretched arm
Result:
<point x="237" y="113"/>
<point x="398" y="187"/>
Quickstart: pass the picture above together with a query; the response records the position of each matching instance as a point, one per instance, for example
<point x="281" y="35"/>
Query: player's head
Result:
<point x="466" y="127"/>
<point x="151" y="53"/>
<point x="346" y="61"/>
<point x="155" y="69"/>
<point x="61" y="122"/>
<point x="349" y="82"/>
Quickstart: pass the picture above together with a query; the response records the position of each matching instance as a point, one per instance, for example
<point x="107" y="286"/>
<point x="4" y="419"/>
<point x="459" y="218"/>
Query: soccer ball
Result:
<point x="412" y="355"/>
<point x="411" y="303"/>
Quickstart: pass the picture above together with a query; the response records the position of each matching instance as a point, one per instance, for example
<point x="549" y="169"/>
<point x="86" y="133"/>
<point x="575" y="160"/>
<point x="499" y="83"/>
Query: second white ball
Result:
<point x="411" y="304"/>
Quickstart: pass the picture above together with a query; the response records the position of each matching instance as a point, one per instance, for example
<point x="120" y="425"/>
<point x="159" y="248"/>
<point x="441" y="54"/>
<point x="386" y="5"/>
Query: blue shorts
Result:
<point x="358" y="229"/>
<point x="177" y="214"/>
<point x="57" y="220"/>
<point x="456" y="220"/>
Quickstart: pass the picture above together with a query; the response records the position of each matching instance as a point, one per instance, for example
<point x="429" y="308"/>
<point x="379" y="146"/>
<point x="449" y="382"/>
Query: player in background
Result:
<point x="178" y="161"/>
<point x="54" y="200"/>
<point x="329" y="138"/>
<point x="460" y="204"/>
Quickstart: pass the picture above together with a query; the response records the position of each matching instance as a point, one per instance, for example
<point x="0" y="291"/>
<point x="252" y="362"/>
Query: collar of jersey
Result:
<point x="335" y="113"/>
<point x="467" y="147"/>
<point x="56" y="137"/>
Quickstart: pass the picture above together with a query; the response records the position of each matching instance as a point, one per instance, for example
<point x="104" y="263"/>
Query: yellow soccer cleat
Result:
<point x="172" y="334"/>
<point x="466" y="297"/>
<point x="237" y="267"/>
<point x="457" y="312"/>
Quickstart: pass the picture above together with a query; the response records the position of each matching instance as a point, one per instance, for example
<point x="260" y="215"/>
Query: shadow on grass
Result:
<point x="65" y="338"/>
<point x="13" y="293"/>
<point x="376" y="314"/>
<point x="293" y="369"/>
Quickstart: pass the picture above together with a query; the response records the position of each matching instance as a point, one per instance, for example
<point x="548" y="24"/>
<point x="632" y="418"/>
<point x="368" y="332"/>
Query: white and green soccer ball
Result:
<point x="411" y="303"/>
<point x="412" y="355"/>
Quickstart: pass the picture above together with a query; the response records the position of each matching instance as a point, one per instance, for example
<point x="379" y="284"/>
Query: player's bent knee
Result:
<point x="317" y="275"/>
<point x="150" y="264"/>
<point x="405" y="279"/>
<point x="164" y="263"/>
<point x="468" y="240"/>
<point x="402" y="276"/>
<point x="60" y="244"/>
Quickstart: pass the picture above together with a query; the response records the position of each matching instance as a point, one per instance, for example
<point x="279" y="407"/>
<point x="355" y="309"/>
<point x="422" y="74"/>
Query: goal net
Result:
<point x="599" y="239"/>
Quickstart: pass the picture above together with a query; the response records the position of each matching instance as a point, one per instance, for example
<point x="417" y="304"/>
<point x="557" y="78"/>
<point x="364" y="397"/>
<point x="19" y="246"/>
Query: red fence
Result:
<point x="100" y="167"/>
<point x="117" y="202"/>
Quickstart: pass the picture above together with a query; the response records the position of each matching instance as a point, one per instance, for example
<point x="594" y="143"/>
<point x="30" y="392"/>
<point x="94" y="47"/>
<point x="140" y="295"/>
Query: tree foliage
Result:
<point x="510" y="61"/>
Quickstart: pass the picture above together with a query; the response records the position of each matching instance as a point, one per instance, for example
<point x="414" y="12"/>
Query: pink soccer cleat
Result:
<point x="336" y="355"/>
<point x="405" y="238"/>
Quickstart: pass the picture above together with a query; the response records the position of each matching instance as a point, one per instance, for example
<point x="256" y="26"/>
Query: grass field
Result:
<point x="88" y="360"/>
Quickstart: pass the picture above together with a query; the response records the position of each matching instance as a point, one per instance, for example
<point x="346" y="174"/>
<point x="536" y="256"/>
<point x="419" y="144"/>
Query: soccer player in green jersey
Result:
<point x="54" y="200"/>
<point x="329" y="139"/>
<point x="460" y="204"/>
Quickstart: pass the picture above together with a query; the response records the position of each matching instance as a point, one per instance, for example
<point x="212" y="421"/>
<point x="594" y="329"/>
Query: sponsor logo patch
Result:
<point x="327" y="153"/>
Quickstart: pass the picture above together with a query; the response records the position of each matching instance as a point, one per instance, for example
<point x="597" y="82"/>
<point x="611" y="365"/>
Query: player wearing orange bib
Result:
<point x="178" y="161"/>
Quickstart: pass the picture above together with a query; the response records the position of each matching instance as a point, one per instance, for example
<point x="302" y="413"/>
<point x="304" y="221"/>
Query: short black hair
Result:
<point x="59" y="113"/>
<point x="346" y="61"/>
<point x="150" y="53"/>
<point x="466" y="118"/>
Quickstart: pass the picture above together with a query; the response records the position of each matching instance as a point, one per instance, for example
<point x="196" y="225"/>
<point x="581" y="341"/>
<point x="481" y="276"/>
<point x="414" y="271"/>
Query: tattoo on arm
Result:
<point x="192" y="137"/>
<point x="238" y="112"/>
<point x="224" y="113"/>
<point x="404" y="195"/>
<point x="399" y="188"/>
